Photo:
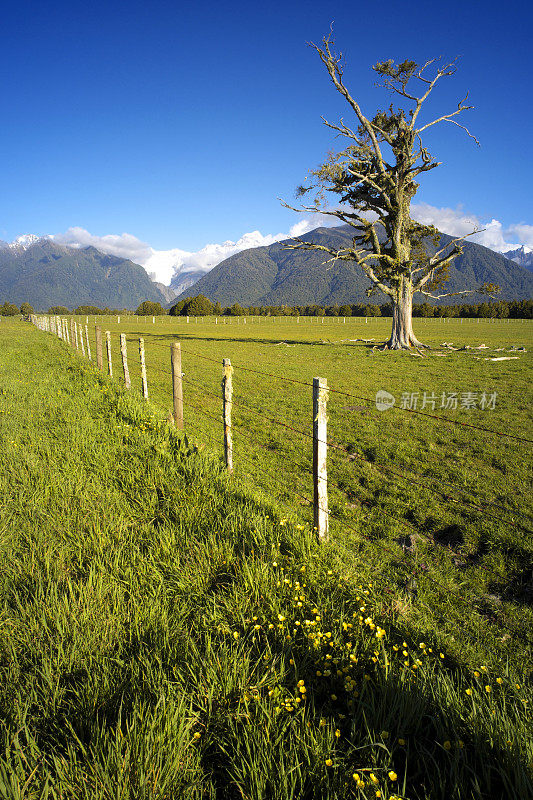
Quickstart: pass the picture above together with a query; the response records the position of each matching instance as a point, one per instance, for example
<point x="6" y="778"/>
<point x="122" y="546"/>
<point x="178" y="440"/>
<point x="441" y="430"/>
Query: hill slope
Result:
<point x="274" y="275"/>
<point x="46" y="274"/>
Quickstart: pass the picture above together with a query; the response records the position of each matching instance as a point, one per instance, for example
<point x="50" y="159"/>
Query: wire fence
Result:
<point x="287" y="468"/>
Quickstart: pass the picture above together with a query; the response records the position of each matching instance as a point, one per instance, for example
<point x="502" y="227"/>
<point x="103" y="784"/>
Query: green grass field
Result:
<point x="168" y="631"/>
<point x="441" y="510"/>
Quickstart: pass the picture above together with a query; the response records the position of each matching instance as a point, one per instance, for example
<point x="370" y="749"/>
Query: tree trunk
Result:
<point x="402" y="336"/>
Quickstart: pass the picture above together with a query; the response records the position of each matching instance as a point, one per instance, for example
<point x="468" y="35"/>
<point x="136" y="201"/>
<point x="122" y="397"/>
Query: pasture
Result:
<point x="170" y="631"/>
<point x="442" y="510"/>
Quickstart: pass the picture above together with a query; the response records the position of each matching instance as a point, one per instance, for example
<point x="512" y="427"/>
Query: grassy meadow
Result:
<point x="170" y="632"/>
<point x="440" y="510"/>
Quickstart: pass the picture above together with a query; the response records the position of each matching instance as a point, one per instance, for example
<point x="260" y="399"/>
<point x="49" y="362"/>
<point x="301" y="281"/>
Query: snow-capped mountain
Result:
<point x="25" y="241"/>
<point x="522" y="255"/>
<point x="39" y="271"/>
<point x="184" y="268"/>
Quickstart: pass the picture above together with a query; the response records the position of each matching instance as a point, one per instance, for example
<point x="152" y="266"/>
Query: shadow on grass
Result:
<point x="169" y="338"/>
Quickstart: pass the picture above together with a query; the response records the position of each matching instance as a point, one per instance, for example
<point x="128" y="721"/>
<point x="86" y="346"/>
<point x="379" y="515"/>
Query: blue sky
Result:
<point x="182" y="124"/>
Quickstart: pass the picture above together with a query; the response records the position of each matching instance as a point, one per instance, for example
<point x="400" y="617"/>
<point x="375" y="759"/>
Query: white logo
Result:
<point x="384" y="400"/>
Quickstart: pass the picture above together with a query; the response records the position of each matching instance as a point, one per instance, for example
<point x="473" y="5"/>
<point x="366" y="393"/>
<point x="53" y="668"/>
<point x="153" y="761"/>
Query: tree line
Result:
<point x="201" y="306"/>
<point x="501" y="309"/>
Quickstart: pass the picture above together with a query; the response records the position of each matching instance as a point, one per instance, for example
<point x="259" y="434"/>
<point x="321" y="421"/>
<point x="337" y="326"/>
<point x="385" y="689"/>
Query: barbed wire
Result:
<point x="379" y="465"/>
<point x="386" y="549"/>
<point x="251" y="435"/>
<point x="366" y="399"/>
<point x="344" y="450"/>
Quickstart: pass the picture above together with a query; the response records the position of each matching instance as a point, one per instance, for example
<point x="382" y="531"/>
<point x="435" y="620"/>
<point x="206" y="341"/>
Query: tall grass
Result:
<point x="440" y="513"/>
<point x="166" y="633"/>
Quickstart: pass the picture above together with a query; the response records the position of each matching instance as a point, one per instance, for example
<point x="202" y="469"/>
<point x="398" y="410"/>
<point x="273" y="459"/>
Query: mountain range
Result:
<point x="44" y="273"/>
<point x="276" y="276"/>
<point x="40" y="272"/>
<point x="522" y="255"/>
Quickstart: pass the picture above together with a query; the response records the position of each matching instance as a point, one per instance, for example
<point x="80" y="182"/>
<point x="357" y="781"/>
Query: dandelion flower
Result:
<point x="488" y="689"/>
<point x="468" y="691"/>
<point x="447" y="745"/>
<point x="393" y="776"/>
<point x="329" y="762"/>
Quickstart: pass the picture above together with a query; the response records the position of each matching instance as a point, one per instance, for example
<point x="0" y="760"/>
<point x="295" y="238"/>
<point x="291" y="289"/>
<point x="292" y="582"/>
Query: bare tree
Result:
<point x="374" y="178"/>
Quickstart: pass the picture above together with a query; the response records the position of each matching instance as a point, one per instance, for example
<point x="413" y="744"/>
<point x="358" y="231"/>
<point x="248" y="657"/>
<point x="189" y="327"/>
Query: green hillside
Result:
<point x="275" y="276"/>
<point x="46" y="274"/>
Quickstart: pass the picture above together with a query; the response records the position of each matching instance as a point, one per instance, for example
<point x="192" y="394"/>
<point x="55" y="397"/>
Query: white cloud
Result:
<point x="124" y="245"/>
<point x="457" y="222"/>
<point x="163" y="265"/>
<point x="523" y="232"/>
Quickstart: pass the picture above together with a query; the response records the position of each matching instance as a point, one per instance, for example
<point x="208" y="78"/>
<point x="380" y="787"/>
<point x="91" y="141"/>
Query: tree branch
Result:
<point x="333" y="65"/>
<point x="446" y="294"/>
<point x="454" y="241"/>
<point x="448" y="118"/>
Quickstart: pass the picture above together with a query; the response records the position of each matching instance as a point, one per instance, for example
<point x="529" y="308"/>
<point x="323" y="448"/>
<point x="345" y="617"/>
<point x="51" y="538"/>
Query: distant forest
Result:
<point x="200" y="306"/>
<point x="502" y="309"/>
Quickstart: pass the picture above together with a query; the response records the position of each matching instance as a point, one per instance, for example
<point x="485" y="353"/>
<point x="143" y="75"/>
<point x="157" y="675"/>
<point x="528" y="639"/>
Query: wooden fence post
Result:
<point x="144" y="382"/>
<point x="76" y="335"/>
<point x="81" y="339"/>
<point x="124" y="354"/>
<point x="99" y="355"/>
<point x="88" y="345"/>
<point x="177" y="384"/>
<point x="320" y="449"/>
<point x="227" y="392"/>
<point x="108" y="349"/>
